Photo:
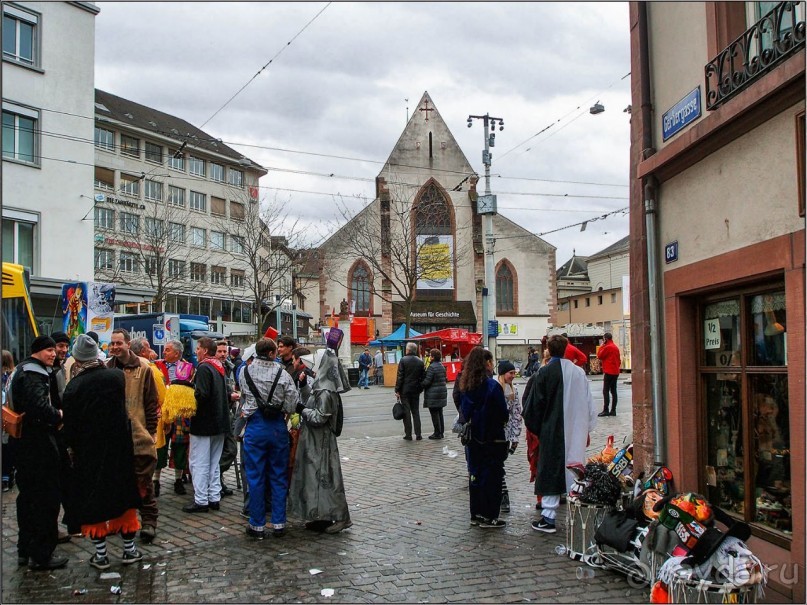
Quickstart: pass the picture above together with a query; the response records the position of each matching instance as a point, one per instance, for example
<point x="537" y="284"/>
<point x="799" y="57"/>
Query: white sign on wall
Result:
<point x="435" y="262"/>
<point x="711" y="334"/>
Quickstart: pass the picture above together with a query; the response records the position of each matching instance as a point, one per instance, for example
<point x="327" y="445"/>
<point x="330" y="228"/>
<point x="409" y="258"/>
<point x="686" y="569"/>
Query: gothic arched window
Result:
<point x="432" y="213"/>
<point x="434" y="243"/>
<point x="360" y="288"/>
<point x="506" y="288"/>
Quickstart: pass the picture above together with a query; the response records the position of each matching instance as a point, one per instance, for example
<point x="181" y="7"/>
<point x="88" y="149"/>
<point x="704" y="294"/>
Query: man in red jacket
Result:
<point x="610" y="357"/>
<point x="573" y="354"/>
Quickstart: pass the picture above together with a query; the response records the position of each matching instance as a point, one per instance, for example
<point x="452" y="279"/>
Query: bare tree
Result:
<point x="404" y="244"/>
<point x="268" y="241"/>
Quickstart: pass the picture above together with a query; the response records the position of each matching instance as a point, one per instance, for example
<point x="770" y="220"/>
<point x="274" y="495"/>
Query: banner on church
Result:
<point x="435" y="262"/>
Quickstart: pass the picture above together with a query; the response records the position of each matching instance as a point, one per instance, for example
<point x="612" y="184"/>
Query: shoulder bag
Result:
<point x="267" y="408"/>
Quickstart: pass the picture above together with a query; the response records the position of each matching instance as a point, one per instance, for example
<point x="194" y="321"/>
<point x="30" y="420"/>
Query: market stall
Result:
<point x="396" y="339"/>
<point x="453" y="343"/>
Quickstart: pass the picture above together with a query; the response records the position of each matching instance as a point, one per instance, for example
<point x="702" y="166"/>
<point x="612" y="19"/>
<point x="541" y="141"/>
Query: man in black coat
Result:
<point x="408" y="387"/>
<point x="99" y="440"/>
<point x="208" y="427"/>
<point x="37" y="458"/>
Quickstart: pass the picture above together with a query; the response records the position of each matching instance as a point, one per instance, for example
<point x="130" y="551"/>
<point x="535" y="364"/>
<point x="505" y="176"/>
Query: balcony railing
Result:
<point x="776" y="36"/>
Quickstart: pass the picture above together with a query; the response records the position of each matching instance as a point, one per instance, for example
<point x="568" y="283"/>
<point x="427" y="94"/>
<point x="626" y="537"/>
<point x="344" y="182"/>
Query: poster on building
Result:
<point x="88" y="306"/>
<point x="435" y="262"/>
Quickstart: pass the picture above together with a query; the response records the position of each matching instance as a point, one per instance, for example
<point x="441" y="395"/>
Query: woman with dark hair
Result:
<point x="484" y="406"/>
<point x="435" y="393"/>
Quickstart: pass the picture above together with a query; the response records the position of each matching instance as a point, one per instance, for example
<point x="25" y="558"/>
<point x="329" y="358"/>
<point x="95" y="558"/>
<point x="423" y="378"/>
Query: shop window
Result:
<point x="743" y="366"/>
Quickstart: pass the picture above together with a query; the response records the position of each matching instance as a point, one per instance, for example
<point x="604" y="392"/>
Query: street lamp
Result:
<point x="486" y="206"/>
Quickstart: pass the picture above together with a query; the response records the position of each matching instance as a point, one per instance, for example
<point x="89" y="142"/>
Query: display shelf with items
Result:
<point x="725" y="477"/>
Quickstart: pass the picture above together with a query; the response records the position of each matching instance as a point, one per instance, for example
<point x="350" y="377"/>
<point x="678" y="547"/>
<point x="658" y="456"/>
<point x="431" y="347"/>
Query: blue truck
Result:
<point x="191" y="329"/>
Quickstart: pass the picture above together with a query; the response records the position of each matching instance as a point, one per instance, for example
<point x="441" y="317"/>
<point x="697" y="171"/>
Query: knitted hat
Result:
<point x="93" y="335"/>
<point x="60" y="337"/>
<point x="505" y="366"/>
<point x="41" y="343"/>
<point x="85" y="348"/>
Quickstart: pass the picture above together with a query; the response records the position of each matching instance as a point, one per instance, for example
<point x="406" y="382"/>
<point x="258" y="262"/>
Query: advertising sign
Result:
<point x="435" y="262"/>
<point x="88" y="306"/>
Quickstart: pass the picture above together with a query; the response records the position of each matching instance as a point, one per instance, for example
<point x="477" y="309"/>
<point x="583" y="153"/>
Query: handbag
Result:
<point x="398" y="411"/>
<point x="466" y="433"/>
<point x="616" y="530"/>
<point x="12" y="422"/>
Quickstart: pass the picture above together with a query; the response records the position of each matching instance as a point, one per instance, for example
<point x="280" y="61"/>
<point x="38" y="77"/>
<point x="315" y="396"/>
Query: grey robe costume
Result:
<point x="317" y="490"/>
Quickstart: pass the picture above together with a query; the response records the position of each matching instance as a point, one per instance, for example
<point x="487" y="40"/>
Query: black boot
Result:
<point x="179" y="488"/>
<point x="604" y="413"/>
<point x="156" y="488"/>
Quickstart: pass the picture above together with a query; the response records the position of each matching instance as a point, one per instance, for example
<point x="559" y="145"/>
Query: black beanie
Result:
<point x="60" y="337"/>
<point x="41" y="343"/>
<point x="505" y="366"/>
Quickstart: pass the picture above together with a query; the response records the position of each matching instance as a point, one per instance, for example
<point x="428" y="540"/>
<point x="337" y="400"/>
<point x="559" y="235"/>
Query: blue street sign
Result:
<point x="684" y="112"/>
<point x="671" y="252"/>
<point x="493" y="327"/>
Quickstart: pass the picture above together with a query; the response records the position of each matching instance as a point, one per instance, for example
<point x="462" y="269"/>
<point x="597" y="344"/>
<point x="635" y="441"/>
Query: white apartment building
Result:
<point x="48" y="82"/>
<point x="169" y="201"/>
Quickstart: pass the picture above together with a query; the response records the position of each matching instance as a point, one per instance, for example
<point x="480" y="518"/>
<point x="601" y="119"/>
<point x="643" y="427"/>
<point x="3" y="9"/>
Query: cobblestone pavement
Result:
<point x="410" y="542"/>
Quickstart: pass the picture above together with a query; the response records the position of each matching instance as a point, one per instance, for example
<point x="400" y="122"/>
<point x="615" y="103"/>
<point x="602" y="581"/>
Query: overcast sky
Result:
<point x="341" y="88"/>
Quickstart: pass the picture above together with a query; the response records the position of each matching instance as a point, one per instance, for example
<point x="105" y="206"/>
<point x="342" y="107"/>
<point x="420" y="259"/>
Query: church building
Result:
<point x="415" y="254"/>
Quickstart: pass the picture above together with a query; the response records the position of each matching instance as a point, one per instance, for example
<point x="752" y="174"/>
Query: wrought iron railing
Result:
<point x="776" y="36"/>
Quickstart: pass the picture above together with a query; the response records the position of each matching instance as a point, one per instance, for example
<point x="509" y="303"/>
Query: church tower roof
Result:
<point x="426" y="146"/>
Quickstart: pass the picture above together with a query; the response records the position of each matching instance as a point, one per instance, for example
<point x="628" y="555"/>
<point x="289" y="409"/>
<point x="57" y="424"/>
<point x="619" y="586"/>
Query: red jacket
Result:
<point x="575" y="355"/>
<point x="609" y="355"/>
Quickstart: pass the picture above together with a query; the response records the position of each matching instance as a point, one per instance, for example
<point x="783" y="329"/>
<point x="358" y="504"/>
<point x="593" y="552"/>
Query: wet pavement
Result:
<point x="410" y="542"/>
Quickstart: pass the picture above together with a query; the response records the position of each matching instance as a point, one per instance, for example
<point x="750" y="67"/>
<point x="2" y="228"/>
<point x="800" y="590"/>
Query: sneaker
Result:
<point x="55" y="562"/>
<point x="492" y="524"/>
<point x="477" y="519"/>
<point x="255" y="533"/>
<point x="148" y="533"/>
<point x="130" y="557"/>
<point x="196" y="508"/>
<point x="244" y="514"/>
<point x="543" y="525"/>
<point x="278" y="532"/>
<point x="99" y="562"/>
<point x="338" y="526"/>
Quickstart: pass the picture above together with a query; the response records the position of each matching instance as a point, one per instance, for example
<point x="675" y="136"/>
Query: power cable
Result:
<point x="591" y="220"/>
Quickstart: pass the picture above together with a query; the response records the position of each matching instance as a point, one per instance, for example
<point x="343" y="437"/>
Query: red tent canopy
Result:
<point x="448" y="339"/>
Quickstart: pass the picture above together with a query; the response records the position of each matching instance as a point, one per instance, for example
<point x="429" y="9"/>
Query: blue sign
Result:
<point x="671" y="252"/>
<point x="686" y="111"/>
<point x="493" y="327"/>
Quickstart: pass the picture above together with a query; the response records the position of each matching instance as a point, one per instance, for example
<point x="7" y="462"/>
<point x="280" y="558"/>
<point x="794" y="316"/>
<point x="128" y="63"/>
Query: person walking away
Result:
<point x="143" y="408"/>
<point x="99" y="441"/>
<point x="435" y="393"/>
<point x="512" y="430"/>
<point x="407" y="389"/>
<point x="269" y="394"/>
<point x="208" y="427"/>
<point x="609" y="355"/>
<point x="378" y="365"/>
<point x="37" y="458"/>
<point x="483" y="405"/>
<point x="560" y="411"/>
<point x="365" y="361"/>
<point x="317" y="491"/>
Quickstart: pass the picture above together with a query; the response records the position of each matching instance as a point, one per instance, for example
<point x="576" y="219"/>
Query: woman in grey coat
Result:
<point x="435" y="393"/>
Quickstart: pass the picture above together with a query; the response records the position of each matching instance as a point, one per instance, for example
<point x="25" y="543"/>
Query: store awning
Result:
<point x="440" y="313"/>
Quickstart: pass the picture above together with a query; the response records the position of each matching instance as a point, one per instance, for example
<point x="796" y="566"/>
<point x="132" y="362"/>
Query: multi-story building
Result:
<point x="718" y="262"/>
<point x="173" y="209"/>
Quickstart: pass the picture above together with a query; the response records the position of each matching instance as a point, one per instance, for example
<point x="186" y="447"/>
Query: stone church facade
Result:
<point x="416" y="251"/>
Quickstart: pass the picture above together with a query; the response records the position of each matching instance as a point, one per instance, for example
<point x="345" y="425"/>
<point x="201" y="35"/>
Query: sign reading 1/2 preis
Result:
<point x="686" y="111"/>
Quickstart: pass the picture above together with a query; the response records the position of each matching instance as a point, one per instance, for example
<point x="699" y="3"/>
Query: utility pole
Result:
<point x="486" y="206"/>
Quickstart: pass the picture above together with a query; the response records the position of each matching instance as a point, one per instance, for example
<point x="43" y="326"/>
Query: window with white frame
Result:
<point x="20" y="133"/>
<point x="236" y="278"/>
<point x="176" y="232"/>
<point x="154" y="153"/>
<point x="104" y="179"/>
<point x="176" y="268"/>
<point x="104" y="218"/>
<point x="20" y="35"/>
<point x="198" y="201"/>
<point x="216" y="172"/>
<point x="236" y="244"/>
<point x="216" y="240"/>
<point x="196" y="166"/>
<point x="128" y="263"/>
<point x="198" y="272"/>
<point x="104" y="259"/>
<point x="129" y="146"/>
<point x="154" y="227"/>
<point x="130" y="185"/>
<point x="129" y="223"/>
<point x="104" y="138"/>
<point x="236" y="177"/>
<point x="218" y="275"/>
<point x="198" y="237"/>
<point x="18" y="241"/>
<point x="177" y="160"/>
<point x="176" y="196"/>
<point x="154" y="190"/>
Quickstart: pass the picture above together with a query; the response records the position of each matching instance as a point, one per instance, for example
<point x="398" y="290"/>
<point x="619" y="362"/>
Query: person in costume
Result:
<point x="560" y="411"/>
<point x="99" y="441"/>
<point x="317" y="491"/>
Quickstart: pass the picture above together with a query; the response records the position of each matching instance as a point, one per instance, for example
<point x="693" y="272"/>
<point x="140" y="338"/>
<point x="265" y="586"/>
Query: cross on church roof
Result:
<point x="427" y="109"/>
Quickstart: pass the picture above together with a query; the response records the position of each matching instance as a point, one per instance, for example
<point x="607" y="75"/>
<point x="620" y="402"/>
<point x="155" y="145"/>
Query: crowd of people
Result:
<point x="97" y="433"/>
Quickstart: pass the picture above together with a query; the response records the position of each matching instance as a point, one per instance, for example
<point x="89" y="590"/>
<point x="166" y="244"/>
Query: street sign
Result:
<point x="493" y="328"/>
<point x="171" y="321"/>
<point x="671" y="252"/>
<point x="158" y="334"/>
